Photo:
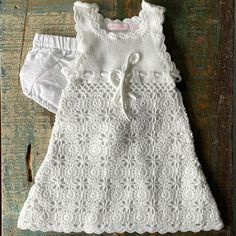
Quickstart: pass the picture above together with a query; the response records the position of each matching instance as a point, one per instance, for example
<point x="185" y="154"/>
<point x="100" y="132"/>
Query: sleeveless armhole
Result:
<point x="157" y="21"/>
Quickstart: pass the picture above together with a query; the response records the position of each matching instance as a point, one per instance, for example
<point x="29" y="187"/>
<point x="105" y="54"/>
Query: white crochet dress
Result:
<point x="121" y="156"/>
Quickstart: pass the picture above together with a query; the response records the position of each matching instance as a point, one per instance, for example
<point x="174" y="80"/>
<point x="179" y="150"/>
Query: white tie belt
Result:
<point x="118" y="79"/>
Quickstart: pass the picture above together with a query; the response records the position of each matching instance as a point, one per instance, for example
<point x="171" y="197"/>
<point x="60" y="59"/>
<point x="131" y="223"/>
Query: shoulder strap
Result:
<point x="85" y="7"/>
<point x="155" y="14"/>
<point x="82" y="12"/>
<point x="156" y="18"/>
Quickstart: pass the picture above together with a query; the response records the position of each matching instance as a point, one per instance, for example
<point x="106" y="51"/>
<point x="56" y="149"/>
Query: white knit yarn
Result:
<point x="104" y="172"/>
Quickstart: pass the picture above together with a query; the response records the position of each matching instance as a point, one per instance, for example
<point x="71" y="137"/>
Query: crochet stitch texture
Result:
<point x="121" y="156"/>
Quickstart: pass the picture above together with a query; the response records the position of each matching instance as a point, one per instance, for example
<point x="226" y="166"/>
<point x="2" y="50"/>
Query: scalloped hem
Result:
<point x="155" y="230"/>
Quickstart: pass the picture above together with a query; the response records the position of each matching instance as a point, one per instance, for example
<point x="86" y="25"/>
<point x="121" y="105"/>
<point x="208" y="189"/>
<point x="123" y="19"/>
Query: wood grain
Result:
<point x="199" y="37"/>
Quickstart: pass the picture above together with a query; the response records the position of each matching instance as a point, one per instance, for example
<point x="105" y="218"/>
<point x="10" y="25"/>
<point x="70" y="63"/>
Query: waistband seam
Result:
<point x="55" y="41"/>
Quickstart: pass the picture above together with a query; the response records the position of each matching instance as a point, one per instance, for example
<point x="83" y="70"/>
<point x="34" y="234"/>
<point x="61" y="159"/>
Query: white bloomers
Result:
<point x="41" y="77"/>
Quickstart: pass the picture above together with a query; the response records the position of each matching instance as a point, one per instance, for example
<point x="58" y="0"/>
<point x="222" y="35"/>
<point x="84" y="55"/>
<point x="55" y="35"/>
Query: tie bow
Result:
<point x="118" y="79"/>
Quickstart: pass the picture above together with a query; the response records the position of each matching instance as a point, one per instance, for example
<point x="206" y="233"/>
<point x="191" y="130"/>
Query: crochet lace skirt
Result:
<point x="103" y="173"/>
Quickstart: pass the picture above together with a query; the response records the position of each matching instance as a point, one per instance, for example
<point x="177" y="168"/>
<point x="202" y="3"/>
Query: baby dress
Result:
<point x="121" y="155"/>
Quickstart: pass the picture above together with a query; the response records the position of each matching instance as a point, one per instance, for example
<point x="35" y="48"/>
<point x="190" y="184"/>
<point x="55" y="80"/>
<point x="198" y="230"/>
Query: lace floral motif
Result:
<point x="103" y="173"/>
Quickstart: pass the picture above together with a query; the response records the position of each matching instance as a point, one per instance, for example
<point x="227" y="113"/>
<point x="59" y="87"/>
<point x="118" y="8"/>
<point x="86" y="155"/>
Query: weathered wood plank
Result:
<point x="199" y="38"/>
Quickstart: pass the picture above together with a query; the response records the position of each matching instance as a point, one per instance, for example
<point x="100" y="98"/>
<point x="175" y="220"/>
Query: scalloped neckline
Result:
<point x="97" y="20"/>
<point x="140" y="20"/>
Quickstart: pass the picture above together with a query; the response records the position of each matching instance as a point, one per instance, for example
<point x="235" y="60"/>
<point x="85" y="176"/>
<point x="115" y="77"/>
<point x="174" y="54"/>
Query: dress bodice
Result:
<point x="105" y="44"/>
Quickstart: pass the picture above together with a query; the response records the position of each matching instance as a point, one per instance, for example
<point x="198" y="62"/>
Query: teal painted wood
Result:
<point x="200" y="41"/>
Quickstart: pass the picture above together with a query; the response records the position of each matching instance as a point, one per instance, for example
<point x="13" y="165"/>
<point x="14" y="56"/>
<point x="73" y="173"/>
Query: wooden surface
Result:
<point x="199" y="37"/>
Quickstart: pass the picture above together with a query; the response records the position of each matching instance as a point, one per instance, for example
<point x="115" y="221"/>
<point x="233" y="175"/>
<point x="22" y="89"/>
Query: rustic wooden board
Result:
<point x="199" y="37"/>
